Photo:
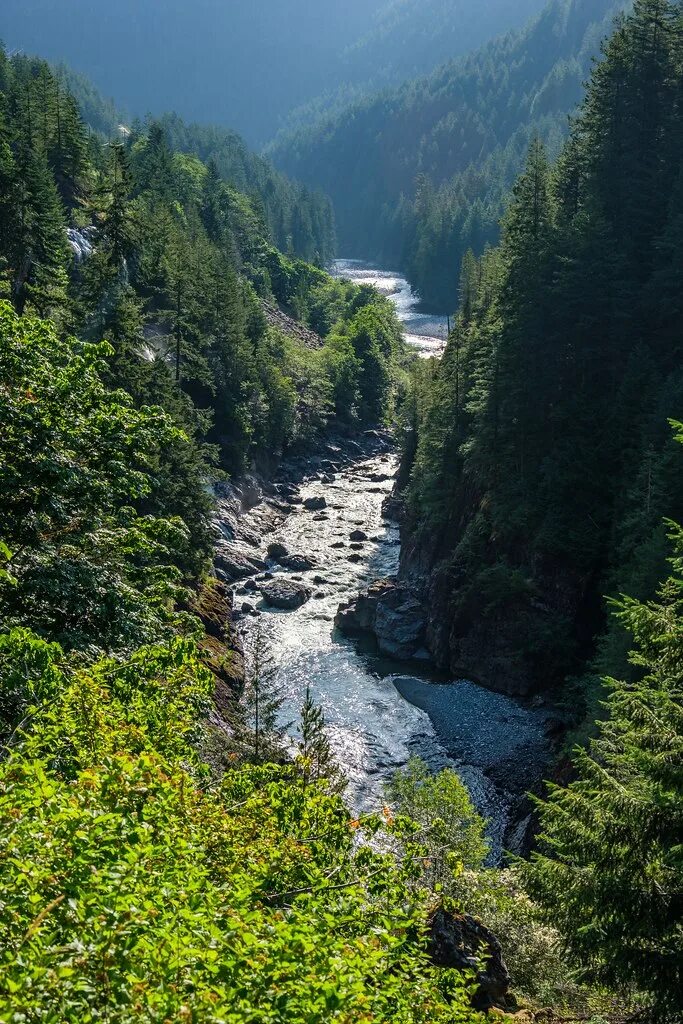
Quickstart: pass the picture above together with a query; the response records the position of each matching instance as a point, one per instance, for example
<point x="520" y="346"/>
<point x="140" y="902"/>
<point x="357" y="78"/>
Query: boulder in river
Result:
<point x="233" y="565"/>
<point x="462" y="942"/>
<point x="276" y="551"/>
<point x="391" y="612"/>
<point x="316" y="504"/>
<point x="359" y="535"/>
<point x="299" y="563"/>
<point x="285" y="594"/>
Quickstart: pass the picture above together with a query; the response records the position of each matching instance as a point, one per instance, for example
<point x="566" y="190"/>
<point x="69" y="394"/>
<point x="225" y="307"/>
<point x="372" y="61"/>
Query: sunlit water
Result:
<point x="426" y="332"/>
<point x="372" y="727"/>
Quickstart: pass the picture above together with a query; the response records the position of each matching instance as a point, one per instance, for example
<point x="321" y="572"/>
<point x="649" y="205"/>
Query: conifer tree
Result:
<point x="263" y="700"/>
<point x="315" y="759"/>
<point x="611" y="874"/>
<point x="39" y="253"/>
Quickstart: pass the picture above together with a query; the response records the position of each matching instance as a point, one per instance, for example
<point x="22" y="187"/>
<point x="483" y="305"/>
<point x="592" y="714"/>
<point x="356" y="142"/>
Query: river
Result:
<point x="378" y="713"/>
<point x="426" y="332"/>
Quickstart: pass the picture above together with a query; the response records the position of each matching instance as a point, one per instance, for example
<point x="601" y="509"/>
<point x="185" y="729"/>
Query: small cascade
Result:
<point x="82" y="242"/>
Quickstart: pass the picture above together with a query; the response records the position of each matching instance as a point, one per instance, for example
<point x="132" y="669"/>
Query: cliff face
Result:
<point x="516" y="631"/>
<point x="213" y="606"/>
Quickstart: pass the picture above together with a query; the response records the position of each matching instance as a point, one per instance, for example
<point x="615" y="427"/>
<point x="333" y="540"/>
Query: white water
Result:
<point x="426" y="332"/>
<point x="374" y="728"/>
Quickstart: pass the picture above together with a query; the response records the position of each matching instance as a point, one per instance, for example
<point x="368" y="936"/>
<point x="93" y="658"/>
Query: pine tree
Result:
<point x="40" y="252"/>
<point x="263" y="701"/>
<point x="611" y="874"/>
<point x="315" y="759"/>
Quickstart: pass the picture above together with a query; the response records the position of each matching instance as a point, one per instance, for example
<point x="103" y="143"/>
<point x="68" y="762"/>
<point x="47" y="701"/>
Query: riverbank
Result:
<point x="320" y="526"/>
<point x="426" y="333"/>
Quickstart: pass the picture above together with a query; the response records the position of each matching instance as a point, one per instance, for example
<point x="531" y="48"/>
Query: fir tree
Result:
<point x="611" y="876"/>
<point x="315" y="759"/>
<point x="263" y="701"/>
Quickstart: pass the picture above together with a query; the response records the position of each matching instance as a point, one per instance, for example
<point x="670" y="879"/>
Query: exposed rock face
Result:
<point x="282" y="322"/>
<point x="464" y="943"/>
<point x="232" y="565"/>
<point x="392" y="508"/>
<point x="389" y="611"/>
<point x="220" y="646"/>
<point x="285" y="594"/>
<point x="81" y="242"/>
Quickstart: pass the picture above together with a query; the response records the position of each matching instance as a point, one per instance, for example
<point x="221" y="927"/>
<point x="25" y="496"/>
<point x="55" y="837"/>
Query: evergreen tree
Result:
<point x="263" y="701"/>
<point x="315" y="759"/>
<point x="611" y="876"/>
<point x="38" y="253"/>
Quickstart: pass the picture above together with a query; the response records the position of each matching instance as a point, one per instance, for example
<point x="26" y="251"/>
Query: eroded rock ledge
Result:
<point x="391" y="612"/>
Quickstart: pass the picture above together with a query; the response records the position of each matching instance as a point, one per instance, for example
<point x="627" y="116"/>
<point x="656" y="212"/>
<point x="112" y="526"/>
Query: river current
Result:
<point x="378" y="713"/>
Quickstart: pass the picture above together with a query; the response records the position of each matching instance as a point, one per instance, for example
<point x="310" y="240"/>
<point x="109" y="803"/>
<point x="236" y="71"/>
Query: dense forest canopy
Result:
<point x="182" y="271"/>
<point x="248" y="65"/>
<point x="440" y="153"/>
<point x="168" y="850"/>
<point x="542" y="461"/>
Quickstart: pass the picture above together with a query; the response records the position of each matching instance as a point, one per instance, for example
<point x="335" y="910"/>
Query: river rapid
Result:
<point x="378" y="713"/>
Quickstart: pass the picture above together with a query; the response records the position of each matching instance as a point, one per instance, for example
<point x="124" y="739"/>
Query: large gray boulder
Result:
<point x="298" y="563"/>
<point x="277" y="551"/>
<point x="285" y="594"/>
<point x="315" y="504"/>
<point x="233" y="564"/>
<point x="392" y="613"/>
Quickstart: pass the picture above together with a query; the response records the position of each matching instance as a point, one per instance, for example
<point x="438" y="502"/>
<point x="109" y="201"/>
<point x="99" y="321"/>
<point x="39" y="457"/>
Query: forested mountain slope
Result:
<point x="410" y="37"/>
<point x="419" y="173"/>
<point x="140" y="881"/>
<point x="248" y="65"/>
<point x="180" y="265"/>
<point x="299" y="221"/>
<point x="541" y="461"/>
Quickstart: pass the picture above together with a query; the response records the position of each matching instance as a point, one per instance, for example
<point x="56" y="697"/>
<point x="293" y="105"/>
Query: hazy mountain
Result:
<point x="247" y="65"/>
<point x="456" y="138"/>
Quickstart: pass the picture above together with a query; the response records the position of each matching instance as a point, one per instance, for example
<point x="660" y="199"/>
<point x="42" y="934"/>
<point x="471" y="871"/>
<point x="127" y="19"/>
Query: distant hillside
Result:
<point x="248" y="65"/>
<point x="299" y="221"/>
<point x="419" y="173"/>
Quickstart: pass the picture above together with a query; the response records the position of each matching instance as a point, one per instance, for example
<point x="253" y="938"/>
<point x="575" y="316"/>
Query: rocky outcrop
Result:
<point x="220" y="646"/>
<point x="464" y="943"/>
<point x="391" y="613"/>
<point x="232" y="565"/>
<point x="298" y="563"/>
<point x="282" y="322"/>
<point x="284" y="594"/>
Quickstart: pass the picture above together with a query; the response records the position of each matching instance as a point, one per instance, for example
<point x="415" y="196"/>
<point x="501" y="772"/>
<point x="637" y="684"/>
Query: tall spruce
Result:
<point x="611" y="871"/>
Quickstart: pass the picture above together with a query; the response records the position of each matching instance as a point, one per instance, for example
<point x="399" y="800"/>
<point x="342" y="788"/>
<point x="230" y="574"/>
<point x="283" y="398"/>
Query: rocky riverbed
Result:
<point x="296" y="553"/>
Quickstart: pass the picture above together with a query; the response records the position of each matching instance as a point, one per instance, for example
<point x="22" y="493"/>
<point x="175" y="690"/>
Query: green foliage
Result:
<point x="183" y="277"/>
<point x="440" y="153"/>
<point x="97" y="540"/>
<point x="262" y="703"/>
<point x="131" y="893"/>
<point x="611" y="875"/>
<point x="450" y="830"/>
<point x="315" y="760"/>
